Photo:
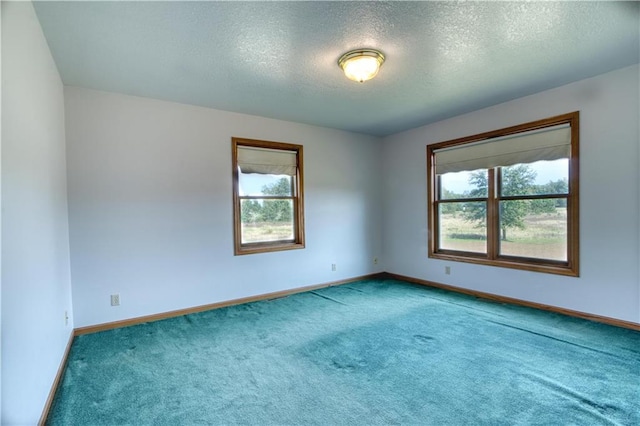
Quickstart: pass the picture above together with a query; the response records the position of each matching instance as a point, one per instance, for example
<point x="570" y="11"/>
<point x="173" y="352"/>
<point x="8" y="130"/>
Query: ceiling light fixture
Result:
<point x="362" y="64"/>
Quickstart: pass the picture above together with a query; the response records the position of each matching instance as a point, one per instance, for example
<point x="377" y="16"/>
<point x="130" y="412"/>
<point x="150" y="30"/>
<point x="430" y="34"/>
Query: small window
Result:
<point x="267" y="196"/>
<point x="508" y="197"/>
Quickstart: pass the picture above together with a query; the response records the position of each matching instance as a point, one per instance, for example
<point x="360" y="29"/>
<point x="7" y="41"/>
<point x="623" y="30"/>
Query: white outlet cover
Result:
<point x="115" y="300"/>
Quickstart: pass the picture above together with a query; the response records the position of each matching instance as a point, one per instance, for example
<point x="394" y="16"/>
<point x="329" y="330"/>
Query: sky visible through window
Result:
<point x="252" y="183"/>
<point x="546" y="171"/>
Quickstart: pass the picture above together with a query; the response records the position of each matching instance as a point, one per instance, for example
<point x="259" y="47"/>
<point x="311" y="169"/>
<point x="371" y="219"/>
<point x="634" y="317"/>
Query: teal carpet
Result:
<point x="366" y="353"/>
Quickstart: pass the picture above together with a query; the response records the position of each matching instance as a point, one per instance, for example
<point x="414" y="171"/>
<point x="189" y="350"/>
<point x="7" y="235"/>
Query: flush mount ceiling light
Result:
<point x="361" y="65"/>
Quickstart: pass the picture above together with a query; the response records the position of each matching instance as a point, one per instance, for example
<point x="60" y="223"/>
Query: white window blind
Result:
<point x="267" y="161"/>
<point x="549" y="144"/>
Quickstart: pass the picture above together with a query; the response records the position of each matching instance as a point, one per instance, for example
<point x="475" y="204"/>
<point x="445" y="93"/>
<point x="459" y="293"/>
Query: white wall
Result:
<point x="150" y="206"/>
<point x="36" y="287"/>
<point x="609" y="163"/>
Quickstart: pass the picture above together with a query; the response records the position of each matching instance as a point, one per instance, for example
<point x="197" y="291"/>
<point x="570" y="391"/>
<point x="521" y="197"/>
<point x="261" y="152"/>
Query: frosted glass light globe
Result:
<point x="361" y="65"/>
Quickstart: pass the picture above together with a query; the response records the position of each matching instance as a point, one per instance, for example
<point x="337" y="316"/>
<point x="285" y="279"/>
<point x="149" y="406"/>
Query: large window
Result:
<point x="267" y="196"/>
<point x="508" y="197"/>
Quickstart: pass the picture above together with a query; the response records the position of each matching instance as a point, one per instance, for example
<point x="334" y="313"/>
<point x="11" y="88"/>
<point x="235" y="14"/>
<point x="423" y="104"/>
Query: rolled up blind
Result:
<point x="549" y="144"/>
<point x="267" y="161"/>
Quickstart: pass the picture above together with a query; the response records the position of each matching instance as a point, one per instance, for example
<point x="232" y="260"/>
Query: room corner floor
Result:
<point x="371" y="352"/>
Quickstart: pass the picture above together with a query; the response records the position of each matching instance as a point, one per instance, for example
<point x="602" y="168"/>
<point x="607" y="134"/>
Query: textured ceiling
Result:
<point x="278" y="59"/>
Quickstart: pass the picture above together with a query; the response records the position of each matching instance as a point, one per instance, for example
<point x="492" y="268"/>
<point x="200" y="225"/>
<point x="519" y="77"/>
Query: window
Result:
<point x="268" y="208"/>
<point x="508" y="197"/>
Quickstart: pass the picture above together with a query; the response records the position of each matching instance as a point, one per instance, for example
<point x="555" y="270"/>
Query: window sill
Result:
<point x="266" y="247"/>
<point x="559" y="268"/>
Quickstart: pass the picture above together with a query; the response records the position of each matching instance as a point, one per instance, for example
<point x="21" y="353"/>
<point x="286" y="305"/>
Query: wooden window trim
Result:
<point x="492" y="258"/>
<point x="298" y="241"/>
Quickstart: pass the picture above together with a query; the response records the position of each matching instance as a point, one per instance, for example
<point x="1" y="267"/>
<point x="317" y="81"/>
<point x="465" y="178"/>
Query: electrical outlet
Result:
<point x="66" y="318"/>
<point x="447" y="270"/>
<point x="115" y="300"/>
<point x="375" y="260"/>
<point x="333" y="267"/>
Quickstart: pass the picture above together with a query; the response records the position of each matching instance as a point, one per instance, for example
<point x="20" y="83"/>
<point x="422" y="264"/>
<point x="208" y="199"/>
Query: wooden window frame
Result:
<point x="492" y="257"/>
<point x="297" y="197"/>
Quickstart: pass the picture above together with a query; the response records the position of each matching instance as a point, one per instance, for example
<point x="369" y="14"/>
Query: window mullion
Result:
<point x="435" y="210"/>
<point x="267" y="197"/>
<point x="493" y="216"/>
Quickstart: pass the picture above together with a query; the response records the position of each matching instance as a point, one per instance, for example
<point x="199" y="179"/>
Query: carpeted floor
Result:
<point x="372" y="352"/>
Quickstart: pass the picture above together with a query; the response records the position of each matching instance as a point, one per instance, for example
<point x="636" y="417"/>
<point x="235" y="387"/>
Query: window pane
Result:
<point x="266" y="220"/>
<point x="464" y="185"/>
<point x="254" y="184"/>
<point x="539" y="178"/>
<point x="463" y="226"/>
<point x="533" y="228"/>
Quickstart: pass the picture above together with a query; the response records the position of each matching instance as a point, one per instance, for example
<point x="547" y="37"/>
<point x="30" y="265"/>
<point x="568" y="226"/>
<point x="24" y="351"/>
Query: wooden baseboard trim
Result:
<point x="274" y="295"/>
<point x="266" y="296"/>
<point x="56" y="381"/>
<point x="520" y="302"/>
